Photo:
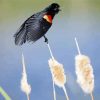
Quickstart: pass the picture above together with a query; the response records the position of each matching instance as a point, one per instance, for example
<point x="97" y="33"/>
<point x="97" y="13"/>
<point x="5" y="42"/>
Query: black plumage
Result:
<point x="36" y="26"/>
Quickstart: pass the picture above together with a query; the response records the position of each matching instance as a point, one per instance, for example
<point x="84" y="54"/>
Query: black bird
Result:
<point x="37" y="25"/>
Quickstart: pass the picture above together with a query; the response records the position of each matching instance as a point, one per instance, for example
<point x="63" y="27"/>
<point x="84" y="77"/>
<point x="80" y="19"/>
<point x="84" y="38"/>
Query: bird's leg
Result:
<point x="46" y="40"/>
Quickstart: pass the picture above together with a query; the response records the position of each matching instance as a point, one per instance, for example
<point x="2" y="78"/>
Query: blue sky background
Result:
<point x="78" y="18"/>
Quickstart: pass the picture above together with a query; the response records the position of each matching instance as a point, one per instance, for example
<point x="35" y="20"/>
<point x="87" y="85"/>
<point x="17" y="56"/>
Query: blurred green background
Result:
<point x="14" y="8"/>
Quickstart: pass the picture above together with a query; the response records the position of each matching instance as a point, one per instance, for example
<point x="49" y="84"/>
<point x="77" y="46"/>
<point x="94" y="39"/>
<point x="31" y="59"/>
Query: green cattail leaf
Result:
<point x="4" y="94"/>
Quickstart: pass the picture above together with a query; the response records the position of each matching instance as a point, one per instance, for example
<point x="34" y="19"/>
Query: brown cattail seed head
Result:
<point x="84" y="72"/>
<point x="57" y="72"/>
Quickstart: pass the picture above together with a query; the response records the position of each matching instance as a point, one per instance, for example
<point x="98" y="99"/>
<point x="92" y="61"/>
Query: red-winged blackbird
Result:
<point x="37" y="25"/>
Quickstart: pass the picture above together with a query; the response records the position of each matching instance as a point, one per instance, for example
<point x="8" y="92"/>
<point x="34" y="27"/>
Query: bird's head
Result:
<point x="53" y="8"/>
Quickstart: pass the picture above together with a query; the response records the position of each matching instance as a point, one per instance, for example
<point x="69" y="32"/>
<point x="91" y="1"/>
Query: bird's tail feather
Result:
<point x="20" y="36"/>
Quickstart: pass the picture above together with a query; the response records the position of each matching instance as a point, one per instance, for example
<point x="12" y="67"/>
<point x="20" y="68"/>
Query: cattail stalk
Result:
<point x="78" y="49"/>
<point x="54" y="92"/>
<point x="92" y="97"/>
<point x="25" y="87"/>
<point x="57" y="72"/>
<point x="84" y="72"/>
<point x="28" y="98"/>
<point x="4" y="94"/>
<point x="50" y="51"/>
<point x="64" y="89"/>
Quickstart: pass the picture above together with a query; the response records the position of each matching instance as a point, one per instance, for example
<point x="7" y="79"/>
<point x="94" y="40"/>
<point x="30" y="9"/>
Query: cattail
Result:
<point x="58" y="74"/>
<point x="25" y="87"/>
<point x="84" y="72"/>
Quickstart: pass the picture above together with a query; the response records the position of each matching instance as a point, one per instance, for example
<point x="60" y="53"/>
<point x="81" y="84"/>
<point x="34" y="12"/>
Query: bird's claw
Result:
<point x="46" y="40"/>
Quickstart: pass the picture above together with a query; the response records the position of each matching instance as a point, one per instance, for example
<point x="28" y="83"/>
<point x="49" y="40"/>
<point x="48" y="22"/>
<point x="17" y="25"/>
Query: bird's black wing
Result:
<point x="36" y="28"/>
<point x="20" y="35"/>
<point x="33" y="28"/>
<point x="27" y="29"/>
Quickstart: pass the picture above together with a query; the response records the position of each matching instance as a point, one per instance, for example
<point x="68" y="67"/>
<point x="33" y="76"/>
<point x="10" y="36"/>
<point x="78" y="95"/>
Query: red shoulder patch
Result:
<point x="48" y="18"/>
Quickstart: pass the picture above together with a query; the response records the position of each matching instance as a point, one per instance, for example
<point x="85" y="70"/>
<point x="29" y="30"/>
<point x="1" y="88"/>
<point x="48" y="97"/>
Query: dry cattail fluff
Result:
<point x="58" y="75"/>
<point x="57" y="72"/>
<point x="84" y="72"/>
<point x="25" y="87"/>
